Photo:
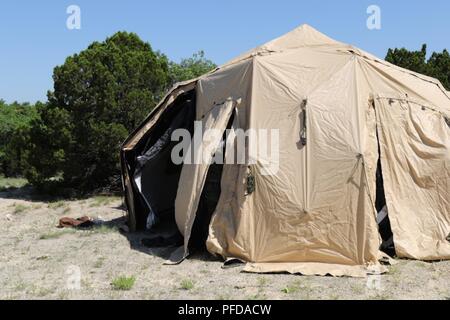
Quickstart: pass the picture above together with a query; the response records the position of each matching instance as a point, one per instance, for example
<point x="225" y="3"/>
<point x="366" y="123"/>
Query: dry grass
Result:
<point x="19" y="208"/>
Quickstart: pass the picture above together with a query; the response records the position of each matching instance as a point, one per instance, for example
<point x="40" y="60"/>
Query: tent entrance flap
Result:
<point x="155" y="176"/>
<point x="193" y="176"/>
<point x="415" y="157"/>
<point x="209" y="197"/>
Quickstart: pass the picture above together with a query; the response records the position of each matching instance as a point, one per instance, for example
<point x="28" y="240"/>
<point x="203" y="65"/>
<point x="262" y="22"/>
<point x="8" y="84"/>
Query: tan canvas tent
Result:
<point x="341" y="113"/>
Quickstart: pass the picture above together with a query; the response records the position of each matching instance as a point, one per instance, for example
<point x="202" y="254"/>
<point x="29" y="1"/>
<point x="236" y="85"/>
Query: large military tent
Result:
<point x="339" y="112"/>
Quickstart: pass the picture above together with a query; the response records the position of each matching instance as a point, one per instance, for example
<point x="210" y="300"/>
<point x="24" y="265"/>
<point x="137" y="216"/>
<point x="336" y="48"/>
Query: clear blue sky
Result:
<point x="34" y="37"/>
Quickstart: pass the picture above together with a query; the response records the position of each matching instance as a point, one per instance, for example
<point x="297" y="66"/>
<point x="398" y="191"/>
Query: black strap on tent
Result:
<point x="250" y="182"/>
<point x="303" y="138"/>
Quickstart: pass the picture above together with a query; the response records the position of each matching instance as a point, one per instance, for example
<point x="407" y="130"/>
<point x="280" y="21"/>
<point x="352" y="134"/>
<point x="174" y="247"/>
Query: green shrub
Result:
<point x="187" y="284"/>
<point x="123" y="283"/>
<point x="99" y="96"/>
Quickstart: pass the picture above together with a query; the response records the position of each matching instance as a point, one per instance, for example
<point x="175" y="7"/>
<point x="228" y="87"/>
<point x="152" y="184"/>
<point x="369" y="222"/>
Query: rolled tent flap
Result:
<point x="415" y="157"/>
<point x="209" y="133"/>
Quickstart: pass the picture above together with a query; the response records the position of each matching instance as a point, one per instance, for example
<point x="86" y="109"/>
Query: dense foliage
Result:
<point x="15" y="120"/>
<point x="99" y="96"/>
<point x="437" y="66"/>
<point x="190" y="68"/>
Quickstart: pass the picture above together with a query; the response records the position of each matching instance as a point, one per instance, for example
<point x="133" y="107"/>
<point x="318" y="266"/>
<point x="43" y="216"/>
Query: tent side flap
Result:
<point x="415" y="157"/>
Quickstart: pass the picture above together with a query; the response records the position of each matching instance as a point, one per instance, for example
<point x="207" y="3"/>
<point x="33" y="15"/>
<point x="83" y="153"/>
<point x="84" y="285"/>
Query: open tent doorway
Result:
<point x="209" y="197"/>
<point x="384" y="224"/>
<point x="155" y="176"/>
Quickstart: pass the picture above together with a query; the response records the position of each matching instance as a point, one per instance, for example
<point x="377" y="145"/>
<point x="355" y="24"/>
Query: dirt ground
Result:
<point x="40" y="261"/>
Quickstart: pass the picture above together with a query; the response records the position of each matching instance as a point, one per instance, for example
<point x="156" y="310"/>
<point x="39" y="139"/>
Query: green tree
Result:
<point x="437" y="66"/>
<point x="15" y="120"/>
<point x="99" y="96"/>
<point x="412" y="60"/>
<point x="190" y="68"/>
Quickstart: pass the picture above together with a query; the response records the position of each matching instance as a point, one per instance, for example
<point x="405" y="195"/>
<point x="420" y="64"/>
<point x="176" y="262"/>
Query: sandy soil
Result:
<point x="39" y="261"/>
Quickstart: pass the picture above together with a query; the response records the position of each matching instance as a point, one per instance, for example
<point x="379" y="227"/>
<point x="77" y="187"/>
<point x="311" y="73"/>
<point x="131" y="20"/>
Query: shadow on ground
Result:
<point x="142" y="241"/>
<point x="139" y="241"/>
<point x="29" y="193"/>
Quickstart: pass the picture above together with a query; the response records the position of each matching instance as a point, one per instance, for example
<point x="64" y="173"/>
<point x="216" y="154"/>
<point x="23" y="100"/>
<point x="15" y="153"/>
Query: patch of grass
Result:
<point x="289" y="289"/>
<point x="19" y="208"/>
<point x="11" y="183"/>
<point x="123" y="283"/>
<point x="56" y="204"/>
<point x="99" y="201"/>
<point x="55" y="234"/>
<point x="187" y="284"/>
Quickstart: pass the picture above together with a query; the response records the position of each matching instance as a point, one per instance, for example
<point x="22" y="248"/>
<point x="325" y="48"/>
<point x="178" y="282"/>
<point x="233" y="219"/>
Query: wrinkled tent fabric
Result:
<point x="415" y="144"/>
<point x="317" y="212"/>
